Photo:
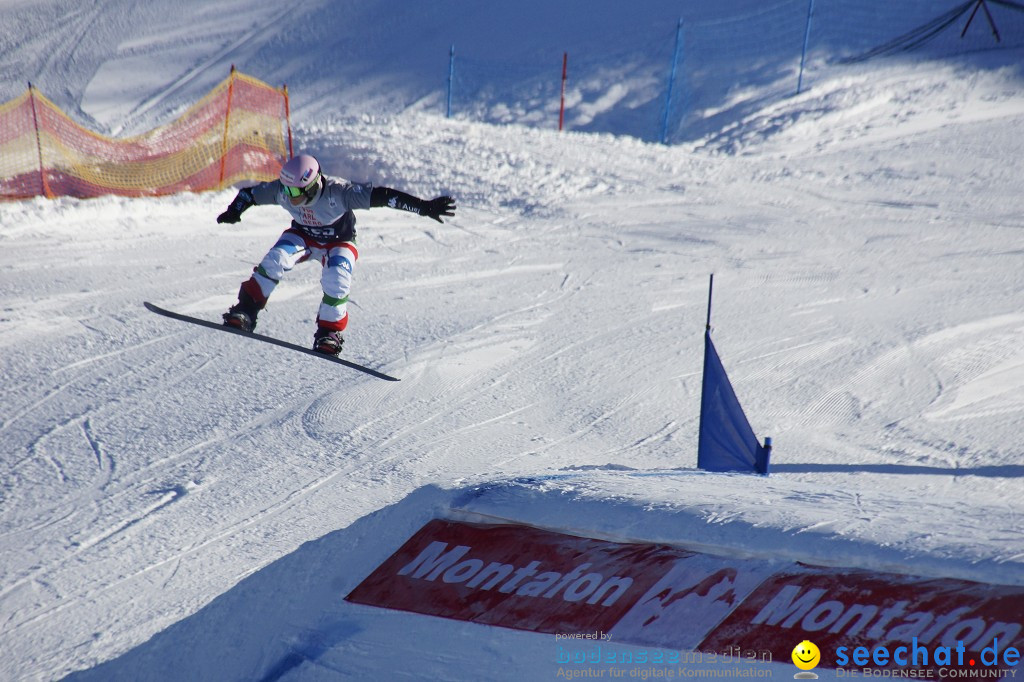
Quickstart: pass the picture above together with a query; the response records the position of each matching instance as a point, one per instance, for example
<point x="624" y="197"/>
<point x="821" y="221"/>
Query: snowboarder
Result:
<point x="323" y="228"/>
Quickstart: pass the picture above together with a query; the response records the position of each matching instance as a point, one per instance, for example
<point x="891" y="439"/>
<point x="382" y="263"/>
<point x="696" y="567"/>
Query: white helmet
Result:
<point x="300" y="179"/>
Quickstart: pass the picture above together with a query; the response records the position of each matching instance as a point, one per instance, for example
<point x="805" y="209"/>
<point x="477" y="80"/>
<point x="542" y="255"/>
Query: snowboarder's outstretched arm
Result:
<point x="243" y="200"/>
<point x="349" y="195"/>
<point x="263" y="193"/>
<point x="428" y="208"/>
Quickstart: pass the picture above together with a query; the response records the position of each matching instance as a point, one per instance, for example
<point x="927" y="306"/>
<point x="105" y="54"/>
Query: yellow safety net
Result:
<point x="238" y="131"/>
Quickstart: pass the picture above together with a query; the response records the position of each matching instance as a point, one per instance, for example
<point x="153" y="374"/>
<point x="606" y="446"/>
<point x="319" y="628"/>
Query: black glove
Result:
<point x="435" y="208"/>
<point x="242" y="201"/>
<point x="229" y="216"/>
<point x="393" y="198"/>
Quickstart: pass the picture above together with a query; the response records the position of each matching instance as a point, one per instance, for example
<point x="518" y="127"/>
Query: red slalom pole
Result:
<point x="561" y="109"/>
<point x="288" y="120"/>
<point x="227" y="127"/>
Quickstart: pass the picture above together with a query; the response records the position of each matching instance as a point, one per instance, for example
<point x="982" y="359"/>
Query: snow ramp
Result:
<point x="539" y="578"/>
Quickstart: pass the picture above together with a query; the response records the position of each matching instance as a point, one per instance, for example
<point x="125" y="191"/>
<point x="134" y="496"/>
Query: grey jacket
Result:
<point x="329" y="217"/>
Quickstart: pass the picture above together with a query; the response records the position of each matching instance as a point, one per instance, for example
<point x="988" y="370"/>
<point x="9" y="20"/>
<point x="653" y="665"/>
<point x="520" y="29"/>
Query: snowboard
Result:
<point x="267" y="339"/>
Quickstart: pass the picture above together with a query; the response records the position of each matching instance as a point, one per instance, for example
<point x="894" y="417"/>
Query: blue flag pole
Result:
<point x="707" y="340"/>
<point x="711" y="287"/>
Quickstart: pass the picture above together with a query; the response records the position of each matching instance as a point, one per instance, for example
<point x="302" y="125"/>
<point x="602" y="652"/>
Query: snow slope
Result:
<point x="221" y="497"/>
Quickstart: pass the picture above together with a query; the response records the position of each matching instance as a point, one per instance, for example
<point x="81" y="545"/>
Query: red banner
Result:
<point x="666" y="597"/>
<point x="516" y="577"/>
<point x="920" y="624"/>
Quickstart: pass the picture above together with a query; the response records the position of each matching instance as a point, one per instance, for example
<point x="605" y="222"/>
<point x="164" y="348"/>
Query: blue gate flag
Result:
<point x="725" y="441"/>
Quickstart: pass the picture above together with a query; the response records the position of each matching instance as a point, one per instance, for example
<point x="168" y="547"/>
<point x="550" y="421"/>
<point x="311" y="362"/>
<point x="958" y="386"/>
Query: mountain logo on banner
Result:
<point x="725" y="440"/>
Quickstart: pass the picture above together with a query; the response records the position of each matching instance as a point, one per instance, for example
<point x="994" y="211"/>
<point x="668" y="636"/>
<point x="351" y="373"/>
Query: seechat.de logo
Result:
<point x="806" y="656"/>
<point x="918" y="655"/>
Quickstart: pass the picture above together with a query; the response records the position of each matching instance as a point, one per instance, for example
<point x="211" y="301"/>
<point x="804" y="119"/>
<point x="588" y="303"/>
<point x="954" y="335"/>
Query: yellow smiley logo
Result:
<point x="806" y="655"/>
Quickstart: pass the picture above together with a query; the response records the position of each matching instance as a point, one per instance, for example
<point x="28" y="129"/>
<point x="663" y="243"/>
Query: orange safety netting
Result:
<point x="239" y="131"/>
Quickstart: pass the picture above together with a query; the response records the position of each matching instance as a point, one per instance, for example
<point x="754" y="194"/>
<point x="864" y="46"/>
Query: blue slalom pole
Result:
<point x="803" y="55"/>
<point x="671" y="81"/>
<point x="451" y="77"/>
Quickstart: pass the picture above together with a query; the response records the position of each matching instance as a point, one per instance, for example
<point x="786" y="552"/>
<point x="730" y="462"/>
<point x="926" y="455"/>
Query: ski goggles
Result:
<point x="296" y="192"/>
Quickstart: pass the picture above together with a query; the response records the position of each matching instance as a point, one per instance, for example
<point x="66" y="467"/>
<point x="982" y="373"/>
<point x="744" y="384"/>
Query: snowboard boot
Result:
<point x="327" y="341"/>
<point x="243" y="314"/>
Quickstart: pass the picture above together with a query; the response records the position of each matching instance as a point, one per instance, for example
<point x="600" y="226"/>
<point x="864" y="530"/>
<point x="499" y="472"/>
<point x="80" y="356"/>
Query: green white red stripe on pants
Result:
<point x="337" y="259"/>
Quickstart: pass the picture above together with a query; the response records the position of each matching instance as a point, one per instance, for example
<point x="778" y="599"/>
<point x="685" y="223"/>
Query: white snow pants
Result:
<point x="338" y="260"/>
